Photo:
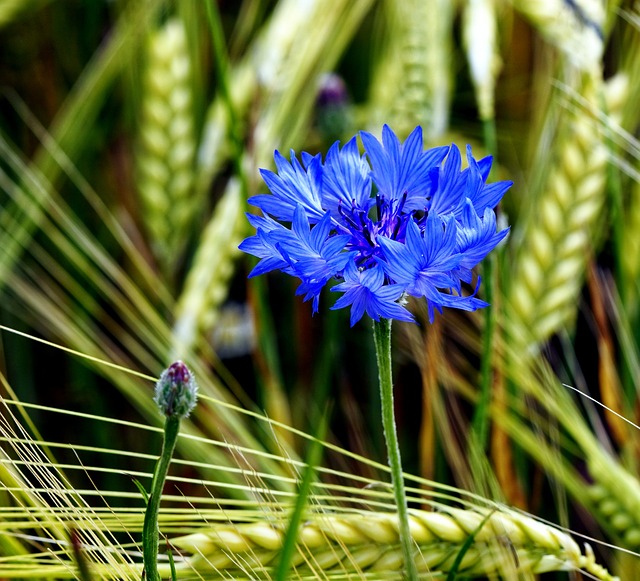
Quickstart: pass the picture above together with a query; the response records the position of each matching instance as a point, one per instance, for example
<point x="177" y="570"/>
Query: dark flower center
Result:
<point x="388" y="219"/>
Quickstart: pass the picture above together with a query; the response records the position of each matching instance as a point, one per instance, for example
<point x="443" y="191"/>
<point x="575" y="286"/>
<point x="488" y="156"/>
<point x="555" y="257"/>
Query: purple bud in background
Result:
<point x="332" y="92"/>
<point x="333" y="107"/>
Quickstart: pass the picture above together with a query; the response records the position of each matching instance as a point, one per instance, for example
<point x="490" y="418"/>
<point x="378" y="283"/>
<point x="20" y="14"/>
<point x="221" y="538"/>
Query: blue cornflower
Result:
<point x="398" y="220"/>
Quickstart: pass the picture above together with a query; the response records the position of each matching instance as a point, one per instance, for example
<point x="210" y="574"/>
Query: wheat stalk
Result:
<point x="166" y="153"/>
<point x="299" y="43"/>
<point x="553" y="247"/>
<point x="629" y="259"/>
<point x="611" y="492"/>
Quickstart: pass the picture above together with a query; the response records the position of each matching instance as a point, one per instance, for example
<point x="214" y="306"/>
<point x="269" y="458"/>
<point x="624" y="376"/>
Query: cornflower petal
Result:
<point x="264" y="246"/>
<point x="293" y="185"/>
<point x="436" y="300"/>
<point x="402" y="169"/>
<point x="312" y="254"/>
<point x="346" y="181"/>
<point x="484" y="164"/>
<point x="474" y="181"/>
<point x="448" y="184"/>
<point x="424" y="265"/>
<point x="481" y="194"/>
<point x="490" y="195"/>
<point x="476" y="237"/>
<point x="365" y="291"/>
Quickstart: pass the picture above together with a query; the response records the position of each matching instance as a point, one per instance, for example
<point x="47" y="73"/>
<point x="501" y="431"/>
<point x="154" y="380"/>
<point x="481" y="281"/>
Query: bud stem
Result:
<point x="150" y="532"/>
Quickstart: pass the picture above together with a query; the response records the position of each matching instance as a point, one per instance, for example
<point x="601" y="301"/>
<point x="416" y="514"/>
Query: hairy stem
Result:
<point x="382" y="339"/>
<point x="150" y="533"/>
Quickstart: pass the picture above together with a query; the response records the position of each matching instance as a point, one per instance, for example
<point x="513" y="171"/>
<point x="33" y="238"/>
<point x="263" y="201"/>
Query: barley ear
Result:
<point x="616" y="499"/>
<point x="576" y="28"/>
<point x="412" y="81"/>
<point x="562" y="225"/>
<point x="166" y="149"/>
<point x="502" y="540"/>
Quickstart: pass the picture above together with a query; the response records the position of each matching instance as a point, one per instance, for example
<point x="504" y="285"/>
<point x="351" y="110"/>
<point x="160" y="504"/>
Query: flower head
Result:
<point x="398" y="220"/>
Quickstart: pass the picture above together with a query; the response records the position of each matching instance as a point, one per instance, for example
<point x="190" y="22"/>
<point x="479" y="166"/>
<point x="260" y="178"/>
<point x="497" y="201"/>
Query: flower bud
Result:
<point x="176" y="391"/>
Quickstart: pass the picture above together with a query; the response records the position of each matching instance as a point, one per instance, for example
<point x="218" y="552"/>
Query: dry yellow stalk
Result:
<point x="575" y="27"/>
<point x="611" y="392"/>
<point x="369" y="542"/>
<point x="166" y="153"/>
<point x="562" y="222"/>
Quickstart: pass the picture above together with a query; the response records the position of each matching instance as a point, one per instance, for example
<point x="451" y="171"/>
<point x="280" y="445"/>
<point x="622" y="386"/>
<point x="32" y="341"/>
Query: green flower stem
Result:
<point x="382" y="339"/>
<point x="150" y="533"/>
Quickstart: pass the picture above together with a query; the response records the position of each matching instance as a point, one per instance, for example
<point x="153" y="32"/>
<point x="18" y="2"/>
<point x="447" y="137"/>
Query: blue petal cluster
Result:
<point x="398" y="220"/>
